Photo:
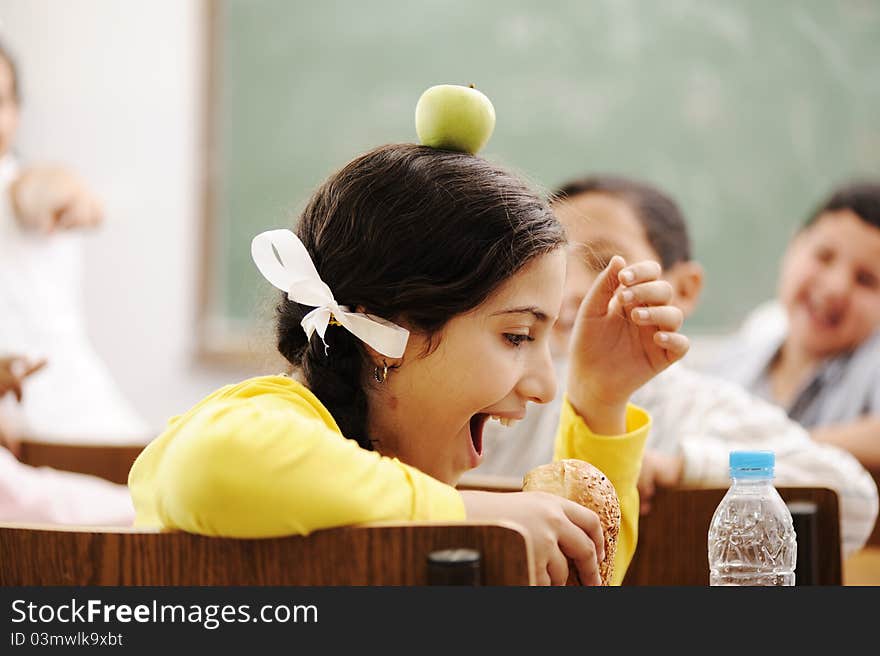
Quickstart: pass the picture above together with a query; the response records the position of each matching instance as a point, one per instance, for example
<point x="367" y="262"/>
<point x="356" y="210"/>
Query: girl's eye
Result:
<point x="516" y="339"/>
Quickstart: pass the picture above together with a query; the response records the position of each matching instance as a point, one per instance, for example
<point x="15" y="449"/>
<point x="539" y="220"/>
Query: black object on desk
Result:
<point x="454" y="567"/>
<point x="805" y="520"/>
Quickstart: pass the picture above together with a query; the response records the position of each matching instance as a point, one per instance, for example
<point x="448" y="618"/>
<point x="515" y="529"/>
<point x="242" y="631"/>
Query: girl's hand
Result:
<point x="559" y="530"/>
<point x="625" y="333"/>
<point x="8" y="437"/>
<point x="658" y="470"/>
<point x="13" y="371"/>
<point x="50" y="198"/>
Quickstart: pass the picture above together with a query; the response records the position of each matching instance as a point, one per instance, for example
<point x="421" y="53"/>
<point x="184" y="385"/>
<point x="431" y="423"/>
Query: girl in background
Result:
<point x="42" y="211"/>
<point x="39" y="294"/>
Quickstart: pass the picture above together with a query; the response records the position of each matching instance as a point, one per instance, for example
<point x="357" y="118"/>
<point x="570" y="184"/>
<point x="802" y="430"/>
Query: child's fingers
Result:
<point x="65" y="220"/>
<point x="42" y="223"/>
<point x="665" y="317"/>
<point x="644" y="271"/>
<point x="676" y="345"/>
<point x="77" y="213"/>
<point x="557" y="569"/>
<point x="97" y="212"/>
<point x="22" y="367"/>
<point x="16" y="389"/>
<point x="10" y="441"/>
<point x="656" y="292"/>
<point x="602" y="291"/>
<point x="646" y="491"/>
<point x="34" y="366"/>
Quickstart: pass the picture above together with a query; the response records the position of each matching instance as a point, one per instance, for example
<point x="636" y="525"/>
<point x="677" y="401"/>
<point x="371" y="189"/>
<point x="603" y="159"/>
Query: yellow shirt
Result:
<point x="264" y="458"/>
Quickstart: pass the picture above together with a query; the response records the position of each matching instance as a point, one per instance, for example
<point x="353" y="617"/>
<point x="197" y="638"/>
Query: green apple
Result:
<point x="454" y="117"/>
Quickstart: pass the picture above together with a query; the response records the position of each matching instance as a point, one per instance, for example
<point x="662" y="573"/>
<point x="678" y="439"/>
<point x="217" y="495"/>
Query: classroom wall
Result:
<point x="115" y="89"/>
<point x="128" y="115"/>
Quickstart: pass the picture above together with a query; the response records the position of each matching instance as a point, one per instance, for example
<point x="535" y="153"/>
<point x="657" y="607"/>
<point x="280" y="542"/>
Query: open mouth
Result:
<point x="478" y="421"/>
<point x="826" y="319"/>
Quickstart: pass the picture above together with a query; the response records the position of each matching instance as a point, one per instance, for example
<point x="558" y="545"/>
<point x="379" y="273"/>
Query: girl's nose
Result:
<point x="538" y="383"/>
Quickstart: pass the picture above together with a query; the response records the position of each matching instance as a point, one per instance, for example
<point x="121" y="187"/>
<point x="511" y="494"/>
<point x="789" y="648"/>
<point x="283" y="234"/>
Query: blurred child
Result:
<point x="816" y="350"/>
<point x="697" y="419"/>
<point x="43" y="495"/>
<point x="41" y="306"/>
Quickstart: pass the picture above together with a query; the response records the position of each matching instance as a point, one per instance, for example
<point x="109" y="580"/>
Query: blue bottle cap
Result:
<point x="752" y="464"/>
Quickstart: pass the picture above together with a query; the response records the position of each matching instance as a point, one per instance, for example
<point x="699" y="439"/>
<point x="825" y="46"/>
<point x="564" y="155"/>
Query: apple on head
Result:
<point x="454" y="117"/>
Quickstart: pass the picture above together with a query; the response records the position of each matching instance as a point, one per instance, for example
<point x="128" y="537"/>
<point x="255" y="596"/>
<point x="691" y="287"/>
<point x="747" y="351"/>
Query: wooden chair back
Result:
<point x="376" y="554"/>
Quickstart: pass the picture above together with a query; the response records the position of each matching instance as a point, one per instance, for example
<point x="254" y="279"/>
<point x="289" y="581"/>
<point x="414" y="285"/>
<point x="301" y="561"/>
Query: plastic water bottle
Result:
<point x="751" y="537"/>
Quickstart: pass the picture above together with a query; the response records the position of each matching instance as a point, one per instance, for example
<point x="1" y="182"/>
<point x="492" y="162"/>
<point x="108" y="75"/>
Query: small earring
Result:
<point x="381" y="373"/>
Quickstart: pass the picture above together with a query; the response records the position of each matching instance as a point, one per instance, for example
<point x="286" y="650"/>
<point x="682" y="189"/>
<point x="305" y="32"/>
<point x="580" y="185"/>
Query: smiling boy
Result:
<point x="816" y="351"/>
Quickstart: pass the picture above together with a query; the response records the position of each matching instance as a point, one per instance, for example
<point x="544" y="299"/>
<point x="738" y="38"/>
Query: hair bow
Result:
<point x="284" y="261"/>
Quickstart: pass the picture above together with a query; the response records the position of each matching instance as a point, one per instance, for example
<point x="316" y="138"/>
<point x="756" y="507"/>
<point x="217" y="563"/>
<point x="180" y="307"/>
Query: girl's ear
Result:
<point x="686" y="279"/>
<point x="376" y="359"/>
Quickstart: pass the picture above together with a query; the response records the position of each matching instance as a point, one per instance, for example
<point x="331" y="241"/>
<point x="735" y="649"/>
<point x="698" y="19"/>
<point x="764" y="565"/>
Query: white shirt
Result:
<point x="74" y="398"/>
<point x="45" y="496"/>
<point x="704" y="418"/>
<point x="844" y="387"/>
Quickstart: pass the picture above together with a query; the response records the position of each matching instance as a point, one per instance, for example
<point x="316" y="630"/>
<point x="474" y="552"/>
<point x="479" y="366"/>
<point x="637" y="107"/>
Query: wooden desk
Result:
<point x="109" y="461"/>
<point x="863" y="567"/>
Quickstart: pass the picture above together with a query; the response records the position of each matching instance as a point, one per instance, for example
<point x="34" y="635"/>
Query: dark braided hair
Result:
<point x="415" y="235"/>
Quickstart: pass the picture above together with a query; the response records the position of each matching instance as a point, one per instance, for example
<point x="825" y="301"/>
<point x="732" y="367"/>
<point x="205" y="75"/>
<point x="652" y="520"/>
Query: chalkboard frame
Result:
<point x="217" y="345"/>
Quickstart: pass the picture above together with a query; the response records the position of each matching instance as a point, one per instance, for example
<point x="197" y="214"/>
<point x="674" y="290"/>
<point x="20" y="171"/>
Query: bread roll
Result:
<point x="582" y="483"/>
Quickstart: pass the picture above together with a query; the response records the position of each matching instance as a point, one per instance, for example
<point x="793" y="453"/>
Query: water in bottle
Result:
<point x="751" y="537"/>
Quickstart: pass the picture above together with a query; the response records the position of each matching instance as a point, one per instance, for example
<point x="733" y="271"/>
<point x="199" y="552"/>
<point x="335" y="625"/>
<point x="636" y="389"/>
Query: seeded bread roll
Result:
<point x="582" y="483"/>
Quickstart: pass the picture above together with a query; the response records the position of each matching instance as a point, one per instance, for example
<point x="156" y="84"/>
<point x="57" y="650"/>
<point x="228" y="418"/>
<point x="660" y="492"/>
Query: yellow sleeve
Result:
<point x="264" y="467"/>
<point x="620" y="459"/>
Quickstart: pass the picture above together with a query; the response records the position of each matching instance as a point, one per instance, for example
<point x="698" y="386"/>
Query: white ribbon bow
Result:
<point x="284" y="261"/>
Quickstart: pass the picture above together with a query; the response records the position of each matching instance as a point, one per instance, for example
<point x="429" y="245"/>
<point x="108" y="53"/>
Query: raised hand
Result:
<point x="624" y="335"/>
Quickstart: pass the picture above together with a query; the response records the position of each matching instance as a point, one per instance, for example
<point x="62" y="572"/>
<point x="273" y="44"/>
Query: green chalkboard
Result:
<point x="747" y="112"/>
